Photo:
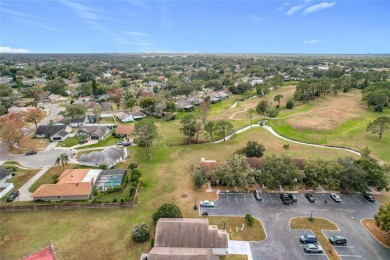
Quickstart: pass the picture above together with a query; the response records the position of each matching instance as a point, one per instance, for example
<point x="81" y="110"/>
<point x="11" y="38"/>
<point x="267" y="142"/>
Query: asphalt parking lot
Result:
<point x="283" y="243"/>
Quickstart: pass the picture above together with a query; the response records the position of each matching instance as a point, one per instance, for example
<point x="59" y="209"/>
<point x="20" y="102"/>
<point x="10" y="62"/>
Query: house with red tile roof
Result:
<point x="46" y="253"/>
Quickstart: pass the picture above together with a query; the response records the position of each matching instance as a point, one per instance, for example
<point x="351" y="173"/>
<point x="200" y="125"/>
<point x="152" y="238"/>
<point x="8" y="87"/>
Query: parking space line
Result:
<point x="345" y="246"/>
<point x="253" y="197"/>
<point x="321" y="197"/>
<point x="314" y="254"/>
<point x="244" y="197"/>
<point x="270" y="198"/>
<point x="349" y="200"/>
<point x="355" y="196"/>
<point x="350" y="256"/>
<point x="304" y="198"/>
<point x="236" y="197"/>
<point x="227" y="196"/>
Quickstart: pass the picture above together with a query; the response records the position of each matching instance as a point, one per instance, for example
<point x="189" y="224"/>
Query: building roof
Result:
<point x="62" y="133"/>
<point x="43" y="254"/>
<point x="4" y="172"/>
<point x="124" y="129"/>
<point x="98" y="130"/>
<point x="66" y="189"/>
<point x="113" y="172"/>
<point x="189" y="233"/>
<point x="208" y="166"/>
<point x="122" y="115"/>
<point x="72" y="176"/>
<point x="181" y="253"/>
<point x="107" y="156"/>
<point x="78" y="120"/>
<point x="136" y="114"/>
<point x="49" y="129"/>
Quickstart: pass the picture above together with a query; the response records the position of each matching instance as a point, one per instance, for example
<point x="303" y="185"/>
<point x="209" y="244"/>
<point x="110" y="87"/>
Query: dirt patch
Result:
<point x="377" y="233"/>
<point x="330" y="113"/>
<point x="28" y="143"/>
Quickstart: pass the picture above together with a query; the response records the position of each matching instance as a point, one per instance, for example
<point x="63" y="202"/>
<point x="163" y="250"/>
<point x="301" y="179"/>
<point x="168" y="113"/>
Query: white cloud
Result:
<point x="139" y="34"/>
<point x="314" y="41"/>
<point x="18" y="13"/>
<point x="5" y="49"/>
<point x="297" y="8"/>
<point x="318" y="7"/>
<point x="83" y="11"/>
<point x="283" y="6"/>
<point x="255" y="18"/>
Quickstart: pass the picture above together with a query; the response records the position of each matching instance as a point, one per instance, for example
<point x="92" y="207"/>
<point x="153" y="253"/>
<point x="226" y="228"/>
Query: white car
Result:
<point x="313" y="248"/>
<point x="335" y="197"/>
<point x="206" y="203"/>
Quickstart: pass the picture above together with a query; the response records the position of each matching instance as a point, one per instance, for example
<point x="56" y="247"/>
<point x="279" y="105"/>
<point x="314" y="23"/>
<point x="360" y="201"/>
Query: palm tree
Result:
<point x="63" y="159"/>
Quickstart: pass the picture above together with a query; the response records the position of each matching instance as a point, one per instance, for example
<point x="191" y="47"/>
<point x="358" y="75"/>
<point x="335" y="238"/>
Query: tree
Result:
<point x="74" y="111"/>
<point x="130" y="103"/>
<point x="204" y="109"/>
<point x="11" y="129"/>
<point x="94" y="88"/>
<point x="56" y="86"/>
<point x="278" y="98"/>
<point x="198" y="179"/>
<point x="263" y="106"/>
<point x="210" y="129"/>
<point x="235" y="172"/>
<point x="243" y="87"/>
<point x="140" y="232"/>
<point x="62" y="159"/>
<point x="277" y="171"/>
<point x="224" y="128"/>
<point x="146" y="133"/>
<point x="34" y="115"/>
<point x="116" y="96"/>
<point x="277" y="81"/>
<point x="263" y="89"/>
<point x="374" y="174"/>
<point x="382" y="218"/>
<point x="365" y="153"/>
<point x="250" y="113"/>
<point x="249" y="218"/>
<point x="252" y="149"/>
<point x="3" y="110"/>
<point x="323" y="172"/>
<point x="352" y="176"/>
<point x="379" y="126"/>
<point x="167" y="211"/>
<point x="290" y="104"/>
<point x="148" y="104"/>
<point x="189" y="126"/>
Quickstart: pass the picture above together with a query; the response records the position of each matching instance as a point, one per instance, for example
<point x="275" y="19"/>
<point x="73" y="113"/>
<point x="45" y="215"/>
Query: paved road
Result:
<point x="282" y="242"/>
<point x="53" y="115"/>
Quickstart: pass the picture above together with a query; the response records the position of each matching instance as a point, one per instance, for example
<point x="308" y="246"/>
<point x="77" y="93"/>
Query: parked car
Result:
<point x="335" y="197"/>
<point x="285" y="199"/>
<point x="206" y="203"/>
<point x="84" y="141"/>
<point x="368" y="197"/>
<point x="13" y="196"/>
<point x="338" y="240"/>
<point x="31" y="152"/>
<point x="310" y="197"/>
<point x="119" y="143"/>
<point x="313" y="248"/>
<point x="126" y="144"/>
<point x="292" y="197"/>
<point x="257" y="195"/>
<point x="308" y="239"/>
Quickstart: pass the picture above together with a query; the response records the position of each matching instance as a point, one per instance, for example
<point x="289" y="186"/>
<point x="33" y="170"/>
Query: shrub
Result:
<point x="122" y="201"/>
<point x="198" y="179"/>
<point x="152" y="243"/>
<point x="55" y="178"/>
<point x="290" y="104"/>
<point x="115" y="200"/>
<point x="273" y="112"/>
<point x="103" y="166"/>
<point x="137" y="172"/>
<point x="249" y="218"/>
<point x="132" y="190"/>
<point x="140" y="233"/>
<point x="132" y="166"/>
<point x="195" y="207"/>
<point x="134" y="177"/>
<point x="286" y="146"/>
<point x="167" y="211"/>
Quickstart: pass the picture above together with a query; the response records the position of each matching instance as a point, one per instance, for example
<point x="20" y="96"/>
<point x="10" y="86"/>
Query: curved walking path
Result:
<point x="269" y="129"/>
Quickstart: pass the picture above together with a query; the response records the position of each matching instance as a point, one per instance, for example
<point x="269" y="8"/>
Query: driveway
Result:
<point x="25" y="194"/>
<point x="281" y="241"/>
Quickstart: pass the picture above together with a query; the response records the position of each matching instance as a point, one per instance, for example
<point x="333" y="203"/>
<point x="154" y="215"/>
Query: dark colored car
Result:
<point x="257" y="195"/>
<point x="292" y="197"/>
<point x="84" y="141"/>
<point x="338" y="240"/>
<point x="13" y="196"/>
<point x="368" y="197"/>
<point x="310" y="197"/>
<point x="126" y="144"/>
<point x="308" y="239"/>
<point x="285" y="199"/>
<point x="32" y="152"/>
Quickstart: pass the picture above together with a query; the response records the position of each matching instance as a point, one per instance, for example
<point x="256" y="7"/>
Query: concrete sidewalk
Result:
<point x="239" y="248"/>
<point x="25" y="195"/>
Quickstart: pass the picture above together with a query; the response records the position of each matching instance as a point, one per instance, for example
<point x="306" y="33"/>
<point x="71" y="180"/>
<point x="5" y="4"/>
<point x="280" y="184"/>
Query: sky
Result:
<point x="156" y="26"/>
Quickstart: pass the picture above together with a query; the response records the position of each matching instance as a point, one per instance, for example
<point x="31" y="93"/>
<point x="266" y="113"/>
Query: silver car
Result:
<point x="313" y="248"/>
<point x="335" y="197"/>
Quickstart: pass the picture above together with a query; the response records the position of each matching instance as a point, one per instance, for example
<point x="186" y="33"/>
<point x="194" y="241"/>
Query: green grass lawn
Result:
<point x="107" y="120"/>
<point x="71" y="141"/>
<point x="110" y="140"/>
<point x="20" y="178"/>
<point x="47" y="178"/>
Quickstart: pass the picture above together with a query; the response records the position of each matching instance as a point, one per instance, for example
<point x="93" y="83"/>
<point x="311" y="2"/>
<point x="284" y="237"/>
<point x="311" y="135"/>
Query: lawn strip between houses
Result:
<point x="317" y="226"/>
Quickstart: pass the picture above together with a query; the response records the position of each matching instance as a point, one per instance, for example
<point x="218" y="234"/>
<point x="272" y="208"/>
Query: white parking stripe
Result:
<point x="244" y="197"/>
<point x="270" y="198"/>
<point x="314" y="254"/>
<point x="227" y="196"/>
<point x="349" y="200"/>
<point x="355" y="196"/>
<point x="345" y="246"/>
<point x="350" y="255"/>
<point x="236" y="197"/>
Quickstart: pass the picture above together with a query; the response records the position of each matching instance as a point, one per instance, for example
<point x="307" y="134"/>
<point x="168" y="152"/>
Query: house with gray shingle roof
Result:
<point x="54" y="132"/>
<point x="94" y="132"/>
<point x="109" y="157"/>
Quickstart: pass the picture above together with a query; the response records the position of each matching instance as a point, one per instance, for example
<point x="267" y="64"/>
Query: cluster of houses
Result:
<point x="77" y="184"/>
<point x="188" y="104"/>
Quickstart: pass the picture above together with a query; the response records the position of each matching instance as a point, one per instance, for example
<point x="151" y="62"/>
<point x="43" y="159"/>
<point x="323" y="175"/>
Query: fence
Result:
<point x="59" y="206"/>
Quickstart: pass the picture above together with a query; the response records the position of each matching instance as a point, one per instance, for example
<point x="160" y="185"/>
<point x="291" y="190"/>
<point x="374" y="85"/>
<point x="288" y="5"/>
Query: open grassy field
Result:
<point x="339" y="120"/>
<point x="317" y="226"/>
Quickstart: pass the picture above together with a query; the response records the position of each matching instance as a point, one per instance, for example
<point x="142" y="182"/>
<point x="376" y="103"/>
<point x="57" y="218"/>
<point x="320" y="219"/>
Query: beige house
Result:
<point x="187" y="239"/>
